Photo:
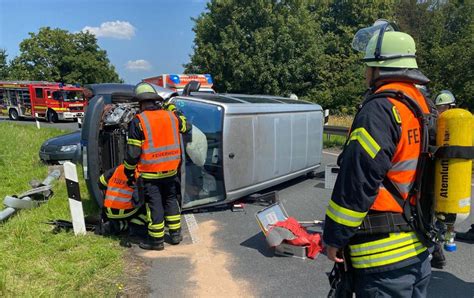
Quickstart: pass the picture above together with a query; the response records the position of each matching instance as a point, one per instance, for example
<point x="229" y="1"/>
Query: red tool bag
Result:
<point x="301" y="236"/>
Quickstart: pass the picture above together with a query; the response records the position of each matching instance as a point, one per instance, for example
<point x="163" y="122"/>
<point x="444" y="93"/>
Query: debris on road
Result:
<point x="40" y="193"/>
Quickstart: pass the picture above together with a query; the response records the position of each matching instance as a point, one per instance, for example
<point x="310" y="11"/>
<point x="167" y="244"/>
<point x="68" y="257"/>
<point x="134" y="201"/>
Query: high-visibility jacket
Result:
<point x="161" y="150"/>
<point x="118" y="194"/>
<point x="405" y="160"/>
<point x="384" y="143"/>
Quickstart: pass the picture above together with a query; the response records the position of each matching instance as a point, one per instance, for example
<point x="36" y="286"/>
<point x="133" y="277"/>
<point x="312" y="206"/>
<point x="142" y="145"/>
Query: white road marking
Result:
<point x="330" y="153"/>
<point x="192" y="227"/>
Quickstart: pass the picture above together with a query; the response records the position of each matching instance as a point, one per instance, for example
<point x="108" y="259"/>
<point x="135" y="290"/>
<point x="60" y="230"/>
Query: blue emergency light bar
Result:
<point x="175" y="79"/>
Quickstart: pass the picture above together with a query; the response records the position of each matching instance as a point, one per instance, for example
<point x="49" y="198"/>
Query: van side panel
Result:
<point x="238" y="142"/>
<point x="269" y="146"/>
<point x="265" y="148"/>
<point x="299" y="141"/>
<point x="282" y="132"/>
<point x="315" y="138"/>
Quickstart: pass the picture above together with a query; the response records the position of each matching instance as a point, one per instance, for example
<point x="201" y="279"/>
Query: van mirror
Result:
<point x="192" y="86"/>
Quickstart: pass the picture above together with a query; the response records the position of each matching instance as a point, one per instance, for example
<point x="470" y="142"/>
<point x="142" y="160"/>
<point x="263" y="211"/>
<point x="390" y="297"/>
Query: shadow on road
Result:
<point x="445" y="284"/>
<point x="259" y="243"/>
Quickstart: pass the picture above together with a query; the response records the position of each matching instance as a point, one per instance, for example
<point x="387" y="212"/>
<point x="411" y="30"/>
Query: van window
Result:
<point x="204" y="184"/>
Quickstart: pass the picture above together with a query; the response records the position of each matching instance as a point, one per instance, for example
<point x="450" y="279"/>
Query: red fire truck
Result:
<point x="178" y="81"/>
<point x="34" y="99"/>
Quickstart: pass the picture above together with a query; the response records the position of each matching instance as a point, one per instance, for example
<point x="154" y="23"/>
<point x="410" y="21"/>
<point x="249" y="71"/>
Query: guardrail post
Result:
<point x="74" y="195"/>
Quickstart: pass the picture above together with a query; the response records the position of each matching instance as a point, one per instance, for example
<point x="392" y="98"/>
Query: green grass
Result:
<point x="333" y="141"/>
<point x="34" y="261"/>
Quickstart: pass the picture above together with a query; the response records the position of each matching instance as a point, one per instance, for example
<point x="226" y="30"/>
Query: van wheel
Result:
<point x="13" y="114"/>
<point x="51" y="116"/>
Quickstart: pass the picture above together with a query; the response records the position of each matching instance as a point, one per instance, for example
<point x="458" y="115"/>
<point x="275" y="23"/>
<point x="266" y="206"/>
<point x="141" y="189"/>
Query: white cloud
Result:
<point x="117" y="29"/>
<point x="138" y="65"/>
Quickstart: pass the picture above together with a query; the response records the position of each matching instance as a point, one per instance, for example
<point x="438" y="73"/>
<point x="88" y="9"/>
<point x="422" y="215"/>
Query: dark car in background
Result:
<point x="62" y="148"/>
<point x="68" y="147"/>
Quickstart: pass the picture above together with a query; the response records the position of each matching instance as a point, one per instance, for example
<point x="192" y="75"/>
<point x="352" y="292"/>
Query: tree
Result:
<point x="344" y="79"/>
<point x="59" y="56"/>
<point x="304" y="46"/>
<point x="444" y="33"/>
<point x="258" y="46"/>
<point x="283" y="47"/>
<point x="4" y="70"/>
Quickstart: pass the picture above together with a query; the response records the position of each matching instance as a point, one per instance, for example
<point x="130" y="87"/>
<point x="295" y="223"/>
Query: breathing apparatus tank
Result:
<point x="453" y="175"/>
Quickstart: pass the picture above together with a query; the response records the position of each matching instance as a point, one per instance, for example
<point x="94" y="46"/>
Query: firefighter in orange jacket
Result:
<point x="122" y="206"/>
<point x="378" y="167"/>
<point x="154" y="151"/>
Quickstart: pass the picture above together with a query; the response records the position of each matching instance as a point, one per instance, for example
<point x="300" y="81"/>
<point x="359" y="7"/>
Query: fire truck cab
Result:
<point x="35" y="99"/>
<point x="177" y="82"/>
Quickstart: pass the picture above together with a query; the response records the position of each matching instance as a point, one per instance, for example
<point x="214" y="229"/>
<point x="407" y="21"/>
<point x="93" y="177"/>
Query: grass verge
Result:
<point x="34" y="261"/>
<point x="333" y="141"/>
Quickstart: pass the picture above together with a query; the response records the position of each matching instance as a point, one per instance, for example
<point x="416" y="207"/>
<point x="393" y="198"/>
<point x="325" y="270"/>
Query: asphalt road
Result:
<point x="67" y="125"/>
<point x="226" y="255"/>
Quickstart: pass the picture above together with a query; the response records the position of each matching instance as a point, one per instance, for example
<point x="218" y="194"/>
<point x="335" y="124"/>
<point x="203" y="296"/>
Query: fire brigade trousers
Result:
<point x="121" y="219"/>
<point x="162" y="205"/>
<point x="410" y="281"/>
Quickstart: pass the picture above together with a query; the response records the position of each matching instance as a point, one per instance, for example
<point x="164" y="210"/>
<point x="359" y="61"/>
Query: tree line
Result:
<point x="57" y="55"/>
<point x="304" y="46"/>
<point x="280" y="47"/>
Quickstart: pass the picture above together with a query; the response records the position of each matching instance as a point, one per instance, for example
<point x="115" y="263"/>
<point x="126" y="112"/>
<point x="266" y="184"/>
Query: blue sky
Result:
<point x="143" y="38"/>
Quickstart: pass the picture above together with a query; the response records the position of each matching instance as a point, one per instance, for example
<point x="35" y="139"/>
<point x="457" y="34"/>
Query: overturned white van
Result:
<point x="252" y="142"/>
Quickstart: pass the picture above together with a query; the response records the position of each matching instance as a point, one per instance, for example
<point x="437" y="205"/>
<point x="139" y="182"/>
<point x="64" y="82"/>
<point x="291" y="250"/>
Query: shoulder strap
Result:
<point x="413" y="216"/>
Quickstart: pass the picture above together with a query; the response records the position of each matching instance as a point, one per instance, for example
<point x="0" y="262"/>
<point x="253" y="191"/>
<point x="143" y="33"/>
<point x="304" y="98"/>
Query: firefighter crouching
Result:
<point x="122" y="206"/>
<point x="154" y="151"/>
<point x="378" y="168"/>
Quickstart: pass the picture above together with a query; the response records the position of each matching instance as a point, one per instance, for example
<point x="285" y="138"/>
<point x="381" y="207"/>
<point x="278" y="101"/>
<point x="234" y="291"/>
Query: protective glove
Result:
<point x="130" y="177"/>
<point x="131" y="181"/>
<point x="169" y="107"/>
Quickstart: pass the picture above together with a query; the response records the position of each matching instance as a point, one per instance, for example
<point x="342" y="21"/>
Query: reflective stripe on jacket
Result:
<point x="386" y="251"/>
<point x="161" y="151"/>
<point x="118" y="194"/>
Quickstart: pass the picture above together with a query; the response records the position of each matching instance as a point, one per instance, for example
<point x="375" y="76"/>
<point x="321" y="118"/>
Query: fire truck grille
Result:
<point x="75" y="108"/>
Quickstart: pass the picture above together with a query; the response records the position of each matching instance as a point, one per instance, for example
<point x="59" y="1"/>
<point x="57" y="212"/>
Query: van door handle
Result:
<point x="231" y="155"/>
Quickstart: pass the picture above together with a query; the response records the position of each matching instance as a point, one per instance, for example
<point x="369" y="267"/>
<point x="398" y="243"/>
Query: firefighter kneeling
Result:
<point x="122" y="206"/>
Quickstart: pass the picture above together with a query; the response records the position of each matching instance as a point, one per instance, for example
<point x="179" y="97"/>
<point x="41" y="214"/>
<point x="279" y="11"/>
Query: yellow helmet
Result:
<point x="385" y="46"/>
<point x="146" y="90"/>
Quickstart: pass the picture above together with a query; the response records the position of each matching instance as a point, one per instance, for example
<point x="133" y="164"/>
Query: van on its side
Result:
<point x="252" y="142"/>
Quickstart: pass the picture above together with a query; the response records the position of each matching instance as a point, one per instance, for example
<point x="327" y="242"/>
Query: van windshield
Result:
<point x="69" y="95"/>
<point x="204" y="178"/>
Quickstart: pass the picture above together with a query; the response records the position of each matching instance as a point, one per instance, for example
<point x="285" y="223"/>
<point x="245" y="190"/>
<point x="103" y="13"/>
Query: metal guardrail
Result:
<point x="336" y="130"/>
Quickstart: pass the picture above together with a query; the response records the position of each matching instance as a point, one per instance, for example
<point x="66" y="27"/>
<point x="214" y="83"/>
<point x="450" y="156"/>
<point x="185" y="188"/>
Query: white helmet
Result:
<point x="445" y="97"/>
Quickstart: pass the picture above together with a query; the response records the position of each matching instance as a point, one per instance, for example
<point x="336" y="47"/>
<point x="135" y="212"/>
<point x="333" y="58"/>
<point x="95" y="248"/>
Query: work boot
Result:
<point x="152" y="243"/>
<point x="176" y="237"/>
<point x="467" y="236"/>
<point x="439" y="260"/>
